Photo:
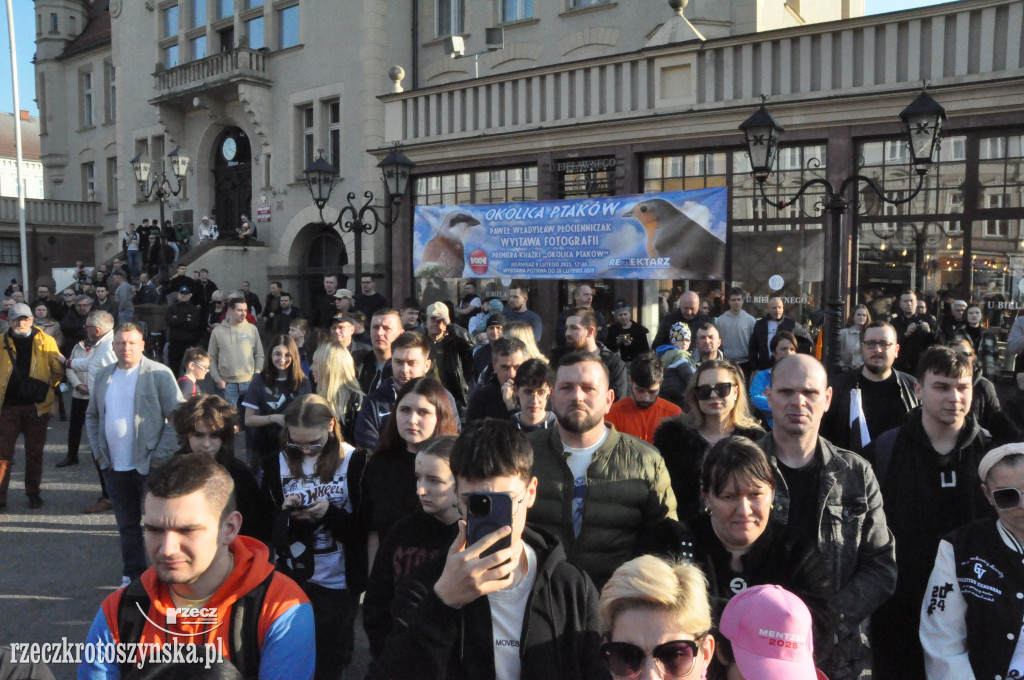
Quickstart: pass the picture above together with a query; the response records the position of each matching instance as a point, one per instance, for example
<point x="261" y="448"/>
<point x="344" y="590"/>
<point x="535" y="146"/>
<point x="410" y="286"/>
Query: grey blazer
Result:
<point x="156" y="397"/>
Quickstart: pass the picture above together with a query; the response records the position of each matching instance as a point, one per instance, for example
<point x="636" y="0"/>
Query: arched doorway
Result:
<point x="326" y="254"/>
<point x="232" y="180"/>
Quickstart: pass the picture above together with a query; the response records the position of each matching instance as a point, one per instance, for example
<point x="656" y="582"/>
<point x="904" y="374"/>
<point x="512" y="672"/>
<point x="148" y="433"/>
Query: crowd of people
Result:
<point x="709" y="502"/>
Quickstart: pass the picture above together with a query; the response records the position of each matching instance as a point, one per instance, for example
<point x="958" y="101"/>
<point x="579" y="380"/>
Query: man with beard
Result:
<point x="28" y="353"/>
<point x="640" y="413"/>
<point x="584" y="462"/>
<point x="870" y="400"/>
<point x="515" y="310"/>
<point x="582" y="296"/>
<point x="581" y="336"/>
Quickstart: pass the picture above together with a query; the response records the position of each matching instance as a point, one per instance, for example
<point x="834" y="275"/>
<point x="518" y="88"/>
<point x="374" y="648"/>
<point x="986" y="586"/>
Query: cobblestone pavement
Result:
<point x="57" y="564"/>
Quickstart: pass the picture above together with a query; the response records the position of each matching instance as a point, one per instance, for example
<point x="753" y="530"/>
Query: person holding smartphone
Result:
<point x="466" y="614"/>
<point x="319" y="539"/>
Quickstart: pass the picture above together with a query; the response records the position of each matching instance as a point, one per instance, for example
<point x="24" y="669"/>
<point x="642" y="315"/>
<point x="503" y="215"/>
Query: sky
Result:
<point x="24" y="39"/>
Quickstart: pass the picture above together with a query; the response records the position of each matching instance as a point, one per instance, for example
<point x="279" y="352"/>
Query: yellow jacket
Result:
<point x="45" y="365"/>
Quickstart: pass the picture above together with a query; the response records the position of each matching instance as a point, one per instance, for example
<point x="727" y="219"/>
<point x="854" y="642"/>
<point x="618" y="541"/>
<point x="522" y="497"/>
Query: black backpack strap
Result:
<point x="244" y="644"/>
<point x="131" y="615"/>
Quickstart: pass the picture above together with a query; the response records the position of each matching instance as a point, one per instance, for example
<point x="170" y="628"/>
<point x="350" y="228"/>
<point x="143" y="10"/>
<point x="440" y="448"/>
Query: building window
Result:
<point x="249" y="4"/>
<point x="334" y="133"/>
<point x="254" y="29"/>
<point x="587" y="3"/>
<point x="171" y="56"/>
<point x="171" y="21"/>
<point x="514" y="10"/>
<point x="110" y="95"/>
<point x="484" y="186"/>
<point x="10" y="251"/>
<point x="450" y="16"/>
<point x="198" y="13"/>
<point x="198" y="47"/>
<point x="112" y="184"/>
<point x="308" y="136"/>
<point x="39" y="24"/>
<point x="225" y="8"/>
<point x="72" y="26"/>
<point x="685" y="172"/>
<point x="288" y="26"/>
<point x="54" y="24"/>
<point x="87" y="111"/>
<point x="88" y="181"/>
<point x="41" y="100"/>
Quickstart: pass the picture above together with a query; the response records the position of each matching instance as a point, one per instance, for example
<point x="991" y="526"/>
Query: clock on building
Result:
<point x="228" y="149"/>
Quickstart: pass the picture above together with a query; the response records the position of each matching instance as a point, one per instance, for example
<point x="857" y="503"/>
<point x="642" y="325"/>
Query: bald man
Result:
<point x="688" y="312"/>
<point x="832" y="497"/>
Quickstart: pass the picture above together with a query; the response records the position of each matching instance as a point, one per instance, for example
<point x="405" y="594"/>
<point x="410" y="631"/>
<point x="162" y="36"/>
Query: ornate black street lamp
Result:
<point x="922" y="122"/>
<point x="321" y="177"/>
<point x="161" y="186"/>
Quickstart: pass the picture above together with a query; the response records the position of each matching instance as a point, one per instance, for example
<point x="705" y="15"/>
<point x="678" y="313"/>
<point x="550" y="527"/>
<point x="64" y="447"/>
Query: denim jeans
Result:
<point x="126" y="490"/>
<point x="234" y="391"/>
<point x="134" y="261"/>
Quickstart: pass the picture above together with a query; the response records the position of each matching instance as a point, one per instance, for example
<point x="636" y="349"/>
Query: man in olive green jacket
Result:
<point x="598" y="490"/>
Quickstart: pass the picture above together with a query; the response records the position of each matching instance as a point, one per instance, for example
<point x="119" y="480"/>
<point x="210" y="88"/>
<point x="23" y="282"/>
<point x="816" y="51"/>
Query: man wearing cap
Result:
<point x="928" y="472"/>
<point x="342" y="302"/>
<point x="973" y="604"/>
<point x="342" y="330"/>
<point x="282" y="321"/>
<point x="678" y="362"/>
<point x="27" y="353"/>
<point x="496" y="397"/>
<point x="625" y="336"/>
<point x="493" y="329"/>
<point x="184" y="327"/>
<point x="451" y="352"/>
<point x="325" y="308"/>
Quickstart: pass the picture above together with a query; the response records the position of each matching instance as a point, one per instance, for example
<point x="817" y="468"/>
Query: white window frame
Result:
<point x="110" y="94"/>
<point x="88" y="181"/>
<point x="88" y="112"/>
<point x="333" y="132"/>
<point x="516" y="10"/>
<point x="307" y="135"/>
<point x="449" y="17"/>
<point x="112" y="184"/>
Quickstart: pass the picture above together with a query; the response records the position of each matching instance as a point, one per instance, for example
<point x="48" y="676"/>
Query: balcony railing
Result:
<point x="239" y="64"/>
<point x="51" y="213"/>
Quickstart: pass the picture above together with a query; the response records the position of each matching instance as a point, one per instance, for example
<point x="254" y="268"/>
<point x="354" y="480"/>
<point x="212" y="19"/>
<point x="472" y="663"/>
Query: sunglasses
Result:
<point x="625" y="660"/>
<point x="304" y="448"/>
<point x="704" y="392"/>
<point x="1006" y="499"/>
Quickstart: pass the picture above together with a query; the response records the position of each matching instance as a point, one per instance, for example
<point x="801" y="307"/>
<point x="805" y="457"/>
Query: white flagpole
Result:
<point x="17" y="146"/>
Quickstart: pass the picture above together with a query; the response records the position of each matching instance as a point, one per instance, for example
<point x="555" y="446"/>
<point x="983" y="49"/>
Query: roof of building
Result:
<point x="96" y="31"/>
<point x="29" y="137"/>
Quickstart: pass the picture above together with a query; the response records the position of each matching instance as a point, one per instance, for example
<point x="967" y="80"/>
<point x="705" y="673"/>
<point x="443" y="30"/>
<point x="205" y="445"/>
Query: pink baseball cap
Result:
<point x="770" y="631"/>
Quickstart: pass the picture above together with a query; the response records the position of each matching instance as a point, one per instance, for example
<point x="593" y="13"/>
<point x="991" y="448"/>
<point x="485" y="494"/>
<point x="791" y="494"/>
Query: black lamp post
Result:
<point x="161" y="187"/>
<point x="321" y="177"/>
<point x="922" y="122"/>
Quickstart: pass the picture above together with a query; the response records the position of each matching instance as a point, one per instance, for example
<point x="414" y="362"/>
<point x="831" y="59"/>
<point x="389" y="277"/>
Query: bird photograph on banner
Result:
<point x="445" y="253"/>
<point x="693" y="251"/>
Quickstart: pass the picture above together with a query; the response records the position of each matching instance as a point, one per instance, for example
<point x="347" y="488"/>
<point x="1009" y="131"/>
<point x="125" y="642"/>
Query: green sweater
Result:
<point x="628" y="492"/>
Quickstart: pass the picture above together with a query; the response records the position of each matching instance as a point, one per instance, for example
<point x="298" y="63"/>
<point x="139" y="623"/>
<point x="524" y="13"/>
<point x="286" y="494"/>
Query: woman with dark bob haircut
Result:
<point x="207" y="424"/>
<point x="737" y="546"/>
<point x="423" y="410"/>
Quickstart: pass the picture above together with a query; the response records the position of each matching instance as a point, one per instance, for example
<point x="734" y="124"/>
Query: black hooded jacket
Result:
<point x="560" y="637"/>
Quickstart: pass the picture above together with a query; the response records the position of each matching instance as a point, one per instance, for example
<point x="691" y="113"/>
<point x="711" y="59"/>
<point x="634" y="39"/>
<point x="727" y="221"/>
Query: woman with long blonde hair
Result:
<point x="717" y="407"/>
<point x="520" y="330"/>
<point x="334" y="374"/>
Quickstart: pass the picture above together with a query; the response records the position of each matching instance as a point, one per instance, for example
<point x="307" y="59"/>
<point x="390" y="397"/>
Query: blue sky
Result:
<point x="25" y="36"/>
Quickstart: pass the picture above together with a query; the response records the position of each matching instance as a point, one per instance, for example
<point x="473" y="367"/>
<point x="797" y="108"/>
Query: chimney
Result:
<point x="24" y="115"/>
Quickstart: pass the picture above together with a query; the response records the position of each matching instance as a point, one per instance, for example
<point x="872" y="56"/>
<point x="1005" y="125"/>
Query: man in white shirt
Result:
<point x="128" y="423"/>
<point x="467" y="615"/>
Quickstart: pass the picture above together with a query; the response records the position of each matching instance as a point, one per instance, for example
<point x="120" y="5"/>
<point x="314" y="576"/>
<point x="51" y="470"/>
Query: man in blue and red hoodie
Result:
<point x="206" y="584"/>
